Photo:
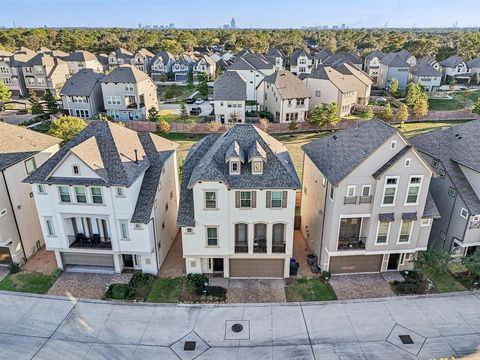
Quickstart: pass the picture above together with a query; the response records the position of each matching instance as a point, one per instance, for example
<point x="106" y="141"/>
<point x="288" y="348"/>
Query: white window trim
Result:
<point x="281" y="200"/>
<point x="120" y="223"/>
<point x="231" y="162"/>
<point x="205" y="200"/>
<point x="122" y="195"/>
<point x="41" y="186"/>
<point x="206" y="237"/>
<point x="261" y="167"/>
<point x="73" y="170"/>
<point x="85" y="193"/>
<point x="189" y="232"/>
<point x="393" y="144"/>
<point x="46" y="220"/>
<point x="419" y="189"/>
<point x="408" y="162"/>
<point x="251" y="199"/>
<point x="60" y="195"/>
<point x="385" y="186"/>
<point x="369" y="190"/>
<point x="388" y="234"/>
<point x="461" y="213"/>
<point x="354" y="187"/>
<point x="409" y="235"/>
<point x="101" y="194"/>
<point x="425" y="222"/>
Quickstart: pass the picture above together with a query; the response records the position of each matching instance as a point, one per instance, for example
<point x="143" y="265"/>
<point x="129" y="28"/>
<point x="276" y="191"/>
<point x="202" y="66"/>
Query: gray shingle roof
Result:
<point x="230" y="86"/>
<point x="258" y="61"/>
<point x="430" y="211"/>
<point x="296" y="54"/>
<point x="452" y="61"/>
<point x="164" y="55"/>
<point x="475" y="63"/>
<point x="82" y="83"/>
<point x="323" y="54"/>
<point x="339" y="154"/>
<point x="206" y="162"/>
<point x="424" y="69"/>
<point x="342" y="57"/>
<point x="394" y="60"/>
<point x="454" y="146"/>
<point x="274" y="52"/>
<point x="375" y="53"/>
<point x="386" y="217"/>
<point x="288" y="85"/>
<point x="125" y="74"/>
<point x="80" y="56"/>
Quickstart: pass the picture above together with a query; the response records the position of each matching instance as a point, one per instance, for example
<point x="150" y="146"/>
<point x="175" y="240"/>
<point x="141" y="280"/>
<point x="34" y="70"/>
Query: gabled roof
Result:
<point x="288" y="85"/>
<point x="80" y="56"/>
<point x="453" y="147"/>
<point x="348" y="68"/>
<point x="392" y="161"/>
<point x="274" y="52"/>
<point x="244" y="52"/>
<point x="375" y="54"/>
<point x="18" y="143"/>
<point x="296" y="54"/>
<point x="342" y="57"/>
<point x="164" y="55"/>
<point x="258" y="61"/>
<point x="429" y="60"/>
<point x="394" y="60"/>
<point x="323" y="54"/>
<point x="424" y="69"/>
<point x="404" y="54"/>
<point x="430" y="211"/>
<point x="452" y="61"/>
<point x="125" y="73"/>
<point x="43" y="60"/>
<point x="342" y="82"/>
<point x="337" y="155"/>
<point x="82" y="83"/>
<point x="206" y="162"/>
<point x="475" y="63"/>
<point x="123" y="53"/>
<point x="230" y="86"/>
<point x="145" y="53"/>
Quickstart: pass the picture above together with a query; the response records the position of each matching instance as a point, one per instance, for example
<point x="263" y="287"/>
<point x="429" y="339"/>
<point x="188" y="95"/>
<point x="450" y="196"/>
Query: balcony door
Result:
<point x="350" y="228"/>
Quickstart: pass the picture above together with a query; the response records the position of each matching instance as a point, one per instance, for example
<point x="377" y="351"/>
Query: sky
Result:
<point x="247" y="13"/>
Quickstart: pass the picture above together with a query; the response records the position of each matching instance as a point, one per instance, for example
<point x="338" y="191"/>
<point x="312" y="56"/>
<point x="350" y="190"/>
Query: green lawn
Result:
<point x="457" y="103"/>
<point x="445" y="282"/>
<point x="29" y="282"/>
<point x="413" y="129"/>
<point x="309" y="290"/>
<point x="179" y="91"/>
<point x="165" y="291"/>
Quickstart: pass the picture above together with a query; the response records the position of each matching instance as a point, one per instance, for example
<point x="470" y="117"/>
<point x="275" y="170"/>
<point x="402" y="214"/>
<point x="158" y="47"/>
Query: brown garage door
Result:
<point x="95" y="260"/>
<point x="5" y="257"/>
<point x="355" y="264"/>
<point x="259" y="268"/>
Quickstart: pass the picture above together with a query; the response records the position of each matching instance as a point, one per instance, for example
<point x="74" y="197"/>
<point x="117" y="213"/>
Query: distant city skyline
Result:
<point x="247" y="13"/>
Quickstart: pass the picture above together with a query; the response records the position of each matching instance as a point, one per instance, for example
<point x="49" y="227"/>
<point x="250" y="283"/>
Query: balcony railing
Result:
<point x="350" y="200"/>
<point x="241" y="248"/>
<point x="278" y="248"/>
<point x="132" y="106"/>
<point x="90" y="242"/>
<point x="260" y="247"/>
<point x="352" y="243"/>
<point x="365" y="199"/>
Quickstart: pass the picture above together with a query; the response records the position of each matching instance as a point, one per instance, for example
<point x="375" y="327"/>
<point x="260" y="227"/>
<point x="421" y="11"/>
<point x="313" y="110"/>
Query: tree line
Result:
<point x="420" y="42"/>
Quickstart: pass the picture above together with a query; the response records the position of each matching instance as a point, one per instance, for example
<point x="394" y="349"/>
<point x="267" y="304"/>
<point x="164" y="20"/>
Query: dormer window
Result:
<point x="75" y="170"/>
<point x="257" y="167"/>
<point x="234" y="167"/>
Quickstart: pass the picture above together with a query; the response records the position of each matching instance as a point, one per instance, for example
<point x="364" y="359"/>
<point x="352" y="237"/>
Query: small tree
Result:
<point x="190" y="80"/>
<point x="393" y="88"/>
<point x="51" y="102"/>
<point x="183" y="112"/>
<point x="67" y="127"/>
<point x="163" y="127"/>
<point x="451" y="84"/>
<point x="402" y="114"/>
<point x="202" y="86"/>
<point x="37" y="108"/>
<point x="317" y="116"/>
<point x="5" y="95"/>
<point x="420" y="109"/>
<point x="293" y="125"/>
<point x="472" y="264"/>
<point x="414" y="93"/>
<point x="474" y="79"/>
<point x="332" y="116"/>
<point x="387" y="113"/>
<point x="369" y="114"/>
<point x="476" y="107"/>
<point x="264" y="124"/>
<point x="233" y="118"/>
<point x="432" y="261"/>
<point x="153" y="114"/>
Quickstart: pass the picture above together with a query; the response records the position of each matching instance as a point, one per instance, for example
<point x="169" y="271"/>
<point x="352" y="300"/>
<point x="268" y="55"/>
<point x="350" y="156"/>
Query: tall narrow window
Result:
<point x="278" y="233"/>
<point x="245" y="199"/>
<point x="277" y="199"/>
<point x="212" y="236"/>
<point x="80" y="195"/>
<point x="383" y="230"/>
<point x="49" y="226"/>
<point x="390" y="191"/>
<point x="123" y="229"/>
<point x="413" y="190"/>
<point x="64" y="194"/>
<point x="96" y="195"/>
<point x="405" y="231"/>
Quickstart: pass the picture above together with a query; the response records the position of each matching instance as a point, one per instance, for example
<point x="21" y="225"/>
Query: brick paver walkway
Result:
<point x="174" y="264"/>
<point x="81" y="285"/>
<point x="300" y="252"/>
<point x="360" y="286"/>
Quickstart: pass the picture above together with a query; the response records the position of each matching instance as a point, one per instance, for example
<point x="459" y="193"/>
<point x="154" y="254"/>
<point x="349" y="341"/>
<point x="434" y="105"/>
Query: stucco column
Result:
<point x="58" y="258"/>
<point x="116" y="263"/>
<point x="269" y="238"/>
<point x="226" y="267"/>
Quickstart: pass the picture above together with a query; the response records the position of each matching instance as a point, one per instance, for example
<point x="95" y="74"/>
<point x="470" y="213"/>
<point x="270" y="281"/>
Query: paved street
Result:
<point x="60" y="328"/>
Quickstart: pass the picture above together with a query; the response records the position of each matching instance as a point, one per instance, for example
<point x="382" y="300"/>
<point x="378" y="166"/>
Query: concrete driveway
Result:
<point x="256" y="290"/>
<point x="54" y="328"/>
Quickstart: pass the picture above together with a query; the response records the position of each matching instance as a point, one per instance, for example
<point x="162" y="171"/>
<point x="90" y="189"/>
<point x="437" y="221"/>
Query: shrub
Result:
<point x="405" y="288"/>
<point x="197" y="280"/>
<point x="163" y="127"/>
<point x="217" y="292"/>
<point x="119" y="291"/>
<point x="432" y="262"/>
<point x="472" y="264"/>
<point x="266" y="115"/>
<point x="140" y="279"/>
<point x="13" y="267"/>
<point x="326" y="275"/>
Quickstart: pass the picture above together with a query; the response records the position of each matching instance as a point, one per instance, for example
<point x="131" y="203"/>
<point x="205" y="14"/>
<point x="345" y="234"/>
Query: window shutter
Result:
<point x="269" y="199"/>
<point x="237" y="199"/>
<point x="284" y="199"/>
<point x="254" y="199"/>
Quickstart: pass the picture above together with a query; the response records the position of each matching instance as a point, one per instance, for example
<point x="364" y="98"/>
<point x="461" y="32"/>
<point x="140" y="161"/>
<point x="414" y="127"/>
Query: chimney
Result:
<point x="136" y="156"/>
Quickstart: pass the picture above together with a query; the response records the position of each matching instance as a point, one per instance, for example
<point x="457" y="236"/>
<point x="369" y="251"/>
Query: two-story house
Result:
<point x="455" y="156"/>
<point x="326" y="86"/>
<point x="181" y="67"/>
<point x="237" y="205"/>
<point x="44" y="72"/>
<point x="285" y="96"/>
<point x="277" y="58"/>
<point x="128" y="93"/>
<point x="393" y="66"/>
<point x="365" y="200"/>
<point x="161" y="66"/>
<point x="427" y="75"/>
<point x="107" y="200"/>
<point x="301" y="62"/>
<point x="79" y="60"/>
<point x="339" y="58"/>
<point x="229" y="95"/>
<point x="82" y="94"/>
<point x="142" y="60"/>
<point x="21" y="152"/>
<point x="372" y="64"/>
<point x="119" y="57"/>
<point x="204" y="65"/>
<point x="362" y="82"/>
<point x="474" y="66"/>
<point x="456" y="68"/>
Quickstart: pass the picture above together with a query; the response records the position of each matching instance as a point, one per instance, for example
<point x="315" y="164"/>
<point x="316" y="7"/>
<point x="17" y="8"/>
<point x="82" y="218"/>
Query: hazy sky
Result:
<point x="247" y="13"/>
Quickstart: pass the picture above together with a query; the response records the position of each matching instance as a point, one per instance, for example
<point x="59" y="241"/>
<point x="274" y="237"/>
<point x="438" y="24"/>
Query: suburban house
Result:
<point x="362" y="82"/>
<point x="252" y="68"/>
<point x="321" y="56"/>
<point x="277" y="58"/>
<point x="454" y="155"/>
<point x="301" y="62"/>
<point x="343" y="57"/>
<point x="142" y="60"/>
<point x="229" y="95"/>
<point x="181" y="67"/>
<point x="474" y="66"/>
<point x="365" y="200"/>
<point x="237" y="205"/>
<point x="107" y="200"/>
<point x="128" y="93"/>
<point x="326" y="86"/>
<point x="161" y="66"/>
<point x="455" y="67"/>
<point x="393" y="66"/>
<point x="206" y="65"/>
<point x="79" y="60"/>
<point x="21" y="151"/>
<point x="44" y="72"/>
<point x="427" y="75"/>
<point x="285" y="96"/>
<point x="82" y="94"/>
<point x="103" y="59"/>
<point x="119" y="57"/>
<point x="408" y="57"/>
<point x="430" y="60"/>
<point x="372" y="64"/>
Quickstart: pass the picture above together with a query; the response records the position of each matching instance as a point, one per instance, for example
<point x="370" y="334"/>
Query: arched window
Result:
<point x="241" y="238"/>
<point x="278" y="238"/>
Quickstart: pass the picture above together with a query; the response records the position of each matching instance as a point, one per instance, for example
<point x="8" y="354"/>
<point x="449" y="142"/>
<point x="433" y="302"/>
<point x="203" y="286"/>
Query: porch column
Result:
<point x="116" y="263"/>
<point x="226" y="267"/>
<point x="58" y="258"/>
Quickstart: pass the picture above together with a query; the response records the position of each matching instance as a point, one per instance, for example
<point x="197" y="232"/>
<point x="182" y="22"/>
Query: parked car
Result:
<point x="190" y="100"/>
<point x="196" y="111"/>
<point x="199" y="101"/>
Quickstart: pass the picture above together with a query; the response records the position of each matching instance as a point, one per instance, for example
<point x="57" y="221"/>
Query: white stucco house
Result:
<point x="229" y="95"/>
<point x="455" y="67"/>
<point x="237" y="205"/>
<point x="301" y="62"/>
<point x="107" y="201"/>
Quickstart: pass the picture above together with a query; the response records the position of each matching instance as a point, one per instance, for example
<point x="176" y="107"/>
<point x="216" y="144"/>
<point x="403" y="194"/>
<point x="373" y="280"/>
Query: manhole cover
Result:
<point x="406" y="339"/>
<point x="189" y="345"/>
<point x="236" y="328"/>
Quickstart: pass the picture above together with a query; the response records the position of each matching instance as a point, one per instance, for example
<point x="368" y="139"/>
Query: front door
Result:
<point x="218" y="265"/>
<point x="130" y="115"/>
<point x="393" y="261"/>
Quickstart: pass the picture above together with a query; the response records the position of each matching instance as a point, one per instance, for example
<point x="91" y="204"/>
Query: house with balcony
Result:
<point x="161" y="66"/>
<point x="393" y="66"/>
<point x="371" y="64"/>
<point x="107" y="200"/>
<point x="82" y="94"/>
<point x="454" y="155"/>
<point x="301" y="62"/>
<point x="79" y="60"/>
<point x="21" y="152"/>
<point x="142" y="60"/>
<point x="229" y="95"/>
<point x="237" y="205"/>
<point x="128" y="93"/>
<point x="119" y="57"/>
<point x="277" y="58"/>
<point x="366" y="205"/>
<point x="285" y="96"/>
<point x="44" y="72"/>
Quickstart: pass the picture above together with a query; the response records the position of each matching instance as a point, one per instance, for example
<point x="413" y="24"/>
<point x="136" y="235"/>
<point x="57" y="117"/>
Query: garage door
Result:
<point x="5" y="257"/>
<point x="259" y="268"/>
<point x="180" y="77"/>
<point x="93" y="260"/>
<point x="355" y="264"/>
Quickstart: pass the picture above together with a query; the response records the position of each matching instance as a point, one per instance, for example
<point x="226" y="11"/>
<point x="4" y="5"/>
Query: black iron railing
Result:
<point x="278" y="248"/>
<point x="91" y="242"/>
<point x="241" y="248"/>
<point x="351" y="243"/>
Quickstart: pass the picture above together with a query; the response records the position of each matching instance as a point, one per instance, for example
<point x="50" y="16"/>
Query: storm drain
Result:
<point x="236" y="328"/>
<point x="189" y="345"/>
<point x="406" y="339"/>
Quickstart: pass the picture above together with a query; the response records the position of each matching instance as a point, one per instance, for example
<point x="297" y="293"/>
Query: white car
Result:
<point x="199" y="101"/>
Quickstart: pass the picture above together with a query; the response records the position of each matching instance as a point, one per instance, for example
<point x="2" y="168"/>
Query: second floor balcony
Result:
<point x="80" y="241"/>
<point x="351" y="235"/>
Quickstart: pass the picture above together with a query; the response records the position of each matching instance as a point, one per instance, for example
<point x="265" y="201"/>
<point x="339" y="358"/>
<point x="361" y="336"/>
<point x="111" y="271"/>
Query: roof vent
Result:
<point x="334" y="137"/>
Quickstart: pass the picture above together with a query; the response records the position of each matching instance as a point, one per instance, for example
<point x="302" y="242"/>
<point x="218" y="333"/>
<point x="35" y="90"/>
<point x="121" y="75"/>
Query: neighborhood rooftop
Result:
<point x="125" y="74"/>
<point x="82" y="83"/>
